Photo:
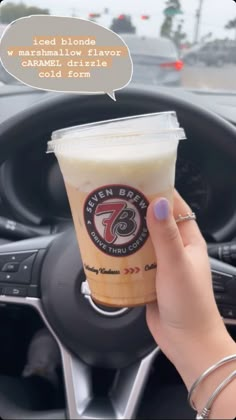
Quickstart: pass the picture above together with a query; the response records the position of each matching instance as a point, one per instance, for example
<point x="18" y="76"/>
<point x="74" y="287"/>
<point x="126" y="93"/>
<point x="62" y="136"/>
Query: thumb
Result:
<point x="164" y="232"/>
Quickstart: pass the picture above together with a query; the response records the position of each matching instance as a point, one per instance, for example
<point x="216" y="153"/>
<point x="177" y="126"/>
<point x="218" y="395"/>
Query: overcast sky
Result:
<point x="215" y="13"/>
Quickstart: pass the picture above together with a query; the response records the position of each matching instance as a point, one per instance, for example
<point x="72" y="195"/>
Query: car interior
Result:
<point x="109" y="365"/>
<point x="62" y="355"/>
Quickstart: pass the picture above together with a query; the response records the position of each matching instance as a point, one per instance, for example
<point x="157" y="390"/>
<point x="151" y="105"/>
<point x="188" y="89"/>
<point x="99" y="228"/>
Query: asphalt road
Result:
<point x="203" y="77"/>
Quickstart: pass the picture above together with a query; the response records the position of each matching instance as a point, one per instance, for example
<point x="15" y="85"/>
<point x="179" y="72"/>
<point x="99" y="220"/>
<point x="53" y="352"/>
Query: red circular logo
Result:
<point x="115" y="217"/>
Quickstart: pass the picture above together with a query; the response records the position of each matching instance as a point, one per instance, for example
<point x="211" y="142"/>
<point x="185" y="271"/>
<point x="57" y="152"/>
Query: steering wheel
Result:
<point x="51" y="277"/>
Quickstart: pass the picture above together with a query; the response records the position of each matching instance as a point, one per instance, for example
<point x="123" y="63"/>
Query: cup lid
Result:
<point x="83" y="143"/>
<point x="128" y="126"/>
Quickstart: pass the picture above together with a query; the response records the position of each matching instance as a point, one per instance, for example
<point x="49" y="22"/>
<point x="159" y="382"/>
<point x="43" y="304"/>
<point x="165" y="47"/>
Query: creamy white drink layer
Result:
<point x="145" y="164"/>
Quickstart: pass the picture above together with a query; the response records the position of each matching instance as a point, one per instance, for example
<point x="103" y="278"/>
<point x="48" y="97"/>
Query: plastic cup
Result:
<point x="112" y="171"/>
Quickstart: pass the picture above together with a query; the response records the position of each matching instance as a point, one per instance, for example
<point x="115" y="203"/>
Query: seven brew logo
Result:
<point x="120" y="221"/>
<point x="115" y="218"/>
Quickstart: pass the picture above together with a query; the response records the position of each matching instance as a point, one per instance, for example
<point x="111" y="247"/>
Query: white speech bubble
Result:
<point x="66" y="54"/>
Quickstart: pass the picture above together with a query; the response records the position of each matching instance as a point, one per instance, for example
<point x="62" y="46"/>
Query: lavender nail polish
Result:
<point x="162" y="209"/>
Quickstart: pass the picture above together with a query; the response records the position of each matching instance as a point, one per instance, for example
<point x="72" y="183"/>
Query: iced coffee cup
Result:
<point x="112" y="171"/>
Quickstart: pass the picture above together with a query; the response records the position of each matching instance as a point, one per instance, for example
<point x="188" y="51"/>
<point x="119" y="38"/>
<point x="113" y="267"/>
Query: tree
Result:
<point x="123" y="25"/>
<point x="172" y="9"/>
<point x="11" y="11"/>
<point x="179" y="36"/>
<point x="231" y="25"/>
<point x="166" y="29"/>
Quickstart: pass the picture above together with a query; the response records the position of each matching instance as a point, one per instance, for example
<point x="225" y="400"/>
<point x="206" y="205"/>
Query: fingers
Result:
<point x="189" y="230"/>
<point x="170" y="239"/>
<point x="164" y="231"/>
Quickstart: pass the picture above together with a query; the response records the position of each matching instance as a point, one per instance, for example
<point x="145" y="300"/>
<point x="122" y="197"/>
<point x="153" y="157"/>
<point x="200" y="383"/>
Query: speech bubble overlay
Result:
<point x="66" y="54"/>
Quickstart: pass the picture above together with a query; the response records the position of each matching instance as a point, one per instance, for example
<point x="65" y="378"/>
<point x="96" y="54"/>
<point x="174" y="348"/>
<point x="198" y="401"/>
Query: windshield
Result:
<point x="180" y="43"/>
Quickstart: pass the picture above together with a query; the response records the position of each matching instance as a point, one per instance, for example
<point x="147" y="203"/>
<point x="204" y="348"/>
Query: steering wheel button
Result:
<point x="15" y="257"/>
<point x="27" y="263"/>
<point x="22" y="256"/>
<point x="23" y="276"/>
<point x="15" y="291"/>
<point x="11" y="267"/>
<point x="22" y="271"/>
<point x="8" y="278"/>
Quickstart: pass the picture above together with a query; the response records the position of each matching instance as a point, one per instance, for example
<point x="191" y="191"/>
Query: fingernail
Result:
<point x="162" y="209"/>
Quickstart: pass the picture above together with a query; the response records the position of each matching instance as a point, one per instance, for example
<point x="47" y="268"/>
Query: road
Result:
<point x="210" y="77"/>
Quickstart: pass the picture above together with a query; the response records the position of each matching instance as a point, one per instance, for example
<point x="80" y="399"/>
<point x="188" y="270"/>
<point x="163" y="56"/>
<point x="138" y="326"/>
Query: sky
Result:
<point x="216" y="13"/>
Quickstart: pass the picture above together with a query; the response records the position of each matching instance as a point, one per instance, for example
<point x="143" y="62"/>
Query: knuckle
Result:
<point x="171" y="233"/>
<point x="200" y="239"/>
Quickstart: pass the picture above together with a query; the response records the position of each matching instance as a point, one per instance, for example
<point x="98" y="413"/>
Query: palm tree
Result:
<point x="231" y="25"/>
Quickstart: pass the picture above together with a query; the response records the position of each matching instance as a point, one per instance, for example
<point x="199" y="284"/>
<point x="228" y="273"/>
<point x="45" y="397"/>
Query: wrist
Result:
<point x="195" y="354"/>
<point x="200" y="353"/>
<point x="223" y="404"/>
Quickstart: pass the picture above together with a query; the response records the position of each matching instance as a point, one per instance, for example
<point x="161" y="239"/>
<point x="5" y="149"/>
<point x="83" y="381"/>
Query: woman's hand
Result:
<point x="185" y="321"/>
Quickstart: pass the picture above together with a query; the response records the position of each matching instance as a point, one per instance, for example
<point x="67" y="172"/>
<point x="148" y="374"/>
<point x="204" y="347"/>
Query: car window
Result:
<point x="194" y="40"/>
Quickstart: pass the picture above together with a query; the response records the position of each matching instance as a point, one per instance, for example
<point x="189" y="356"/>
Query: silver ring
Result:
<point x="188" y="217"/>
